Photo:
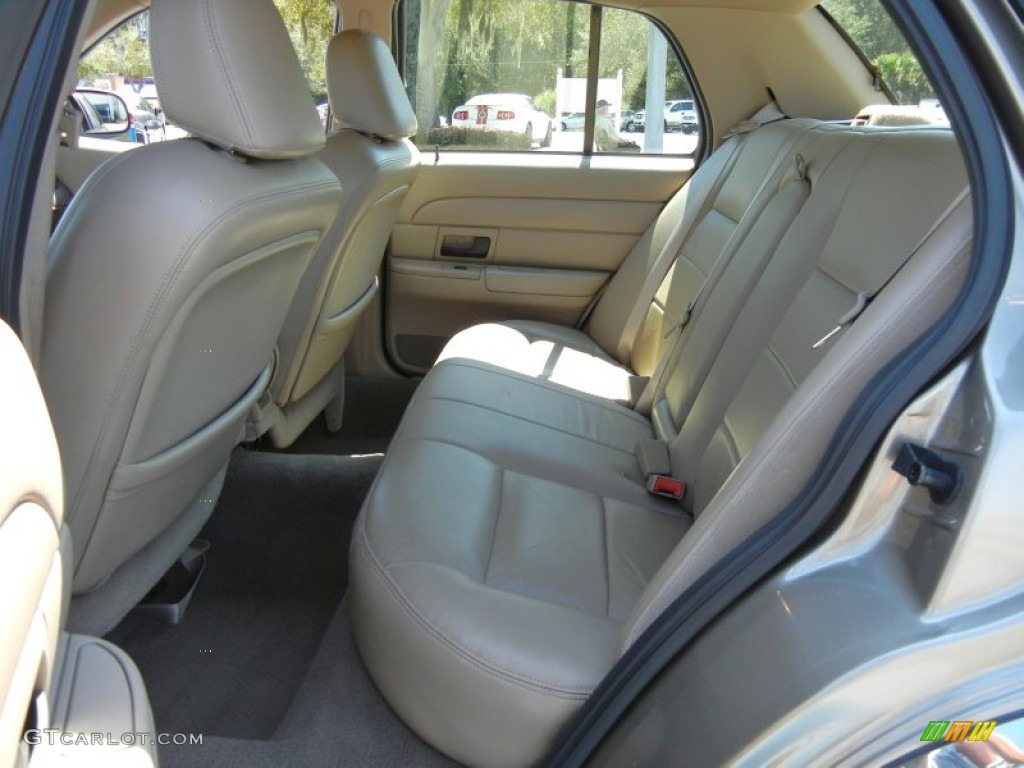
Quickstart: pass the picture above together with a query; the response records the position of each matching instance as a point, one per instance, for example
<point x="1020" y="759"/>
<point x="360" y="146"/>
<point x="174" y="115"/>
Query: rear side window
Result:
<point x="533" y="75"/>
<point x="872" y="30"/>
<point x="311" y="25"/>
<point x="120" y="57"/>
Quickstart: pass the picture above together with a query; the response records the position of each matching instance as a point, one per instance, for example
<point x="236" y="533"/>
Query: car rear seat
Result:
<point x="618" y="348"/>
<point x="508" y="552"/>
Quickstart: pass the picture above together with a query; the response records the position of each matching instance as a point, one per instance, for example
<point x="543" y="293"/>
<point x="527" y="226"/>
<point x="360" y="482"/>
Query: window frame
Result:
<point x="877" y="81"/>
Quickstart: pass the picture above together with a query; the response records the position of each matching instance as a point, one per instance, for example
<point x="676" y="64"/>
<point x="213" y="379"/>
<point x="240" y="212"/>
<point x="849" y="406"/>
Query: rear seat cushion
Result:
<point x="548" y="351"/>
<point x="455" y="604"/>
<point x="487" y="544"/>
<point x="487" y="407"/>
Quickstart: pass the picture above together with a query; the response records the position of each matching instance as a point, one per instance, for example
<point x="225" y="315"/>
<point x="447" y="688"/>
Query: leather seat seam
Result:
<point x="550" y="386"/>
<point x="607" y="557"/>
<point x="529" y="421"/>
<point x="224" y="66"/>
<point x="675" y="513"/>
<point x="497" y="522"/>
<point x="511" y="677"/>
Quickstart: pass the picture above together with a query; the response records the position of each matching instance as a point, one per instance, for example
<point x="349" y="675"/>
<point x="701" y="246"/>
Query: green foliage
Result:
<point x="468" y="47"/>
<point x="123" y="52"/>
<point x="310" y="25"/>
<point x="545" y="100"/>
<point x="457" y="137"/>
<point x="904" y="76"/>
<point x="870" y="27"/>
<point x="676" y="86"/>
<point x="624" y="39"/>
<point x="504" y="46"/>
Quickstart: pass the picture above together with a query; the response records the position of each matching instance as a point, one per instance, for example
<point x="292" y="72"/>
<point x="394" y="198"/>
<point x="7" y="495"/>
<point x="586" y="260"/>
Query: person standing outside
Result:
<point x="606" y="139"/>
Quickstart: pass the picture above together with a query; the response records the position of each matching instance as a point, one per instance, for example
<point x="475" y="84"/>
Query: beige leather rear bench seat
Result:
<point x="509" y="553"/>
<point x="622" y="340"/>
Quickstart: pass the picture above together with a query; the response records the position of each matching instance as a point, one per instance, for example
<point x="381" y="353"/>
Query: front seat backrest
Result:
<point x="31" y="557"/>
<point x="376" y="164"/>
<point x="169" y="279"/>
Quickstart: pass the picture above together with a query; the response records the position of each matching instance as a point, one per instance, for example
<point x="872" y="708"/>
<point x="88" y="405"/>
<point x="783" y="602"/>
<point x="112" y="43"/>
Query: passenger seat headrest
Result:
<point x="227" y="72"/>
<point x="364" y="88"/>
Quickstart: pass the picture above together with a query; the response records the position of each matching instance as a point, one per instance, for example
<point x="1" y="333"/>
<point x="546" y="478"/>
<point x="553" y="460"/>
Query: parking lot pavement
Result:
<point x="174" y="132"/>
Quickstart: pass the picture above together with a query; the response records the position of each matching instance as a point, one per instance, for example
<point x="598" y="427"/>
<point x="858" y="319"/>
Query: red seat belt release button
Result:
<point x="663" y="485"/>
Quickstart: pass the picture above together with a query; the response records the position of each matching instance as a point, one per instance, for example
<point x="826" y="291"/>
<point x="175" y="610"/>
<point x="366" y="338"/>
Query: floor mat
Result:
<point x="338" y="719"/>
<point x="276" y="572"/>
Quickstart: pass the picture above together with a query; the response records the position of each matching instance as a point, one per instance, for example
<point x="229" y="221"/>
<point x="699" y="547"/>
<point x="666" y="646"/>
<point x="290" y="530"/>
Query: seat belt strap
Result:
<point x="769" y="113"/>
<point x="790" y="200"/>
<point x="590" y="306"/>
<point x="669" y="253"/>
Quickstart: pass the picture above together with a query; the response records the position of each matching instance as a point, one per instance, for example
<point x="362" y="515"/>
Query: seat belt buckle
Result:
<point x="663" y="485"/>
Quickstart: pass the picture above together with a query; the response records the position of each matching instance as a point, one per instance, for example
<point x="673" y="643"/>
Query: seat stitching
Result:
<point x="667" y="509"/>
<point x="625" y="413"/>
<point x="530" y="421"/>
<point x="589" y="346"/>
<point x="224" y="65"/>
<point x="497" y="522"/>
<point x="550" y="386"/>
<point x="493" y="670"/>
<point x="773" y="354"/>
<point x="607" y="558"/>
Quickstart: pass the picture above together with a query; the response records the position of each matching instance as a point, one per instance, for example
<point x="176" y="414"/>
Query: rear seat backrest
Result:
<point x="829" y="162"/>
<point x="693" y="230"/>
<point x="825" y="260"/>
<point x="768" y="220"/>
<point x="770" y="401"/>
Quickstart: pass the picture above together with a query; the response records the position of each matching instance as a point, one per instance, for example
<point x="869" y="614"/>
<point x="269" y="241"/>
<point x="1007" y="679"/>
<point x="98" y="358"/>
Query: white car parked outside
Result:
<point x="511" y="112"/>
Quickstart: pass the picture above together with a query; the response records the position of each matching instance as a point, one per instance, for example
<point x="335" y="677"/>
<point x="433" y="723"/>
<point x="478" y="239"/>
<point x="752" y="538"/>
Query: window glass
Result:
<point x="311" y="25"/>
<point x="873" y="31"/>
<point x="120" y="64"/>
<point x="513" y="75"/>
<point x="641" y="76"/>
<point x="120" y="57"/>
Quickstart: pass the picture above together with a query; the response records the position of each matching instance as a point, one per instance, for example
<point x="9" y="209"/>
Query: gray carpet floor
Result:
<point x="337" y="719"/>
<point x="276" y="572"/>
<point x="264" y="665"/>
